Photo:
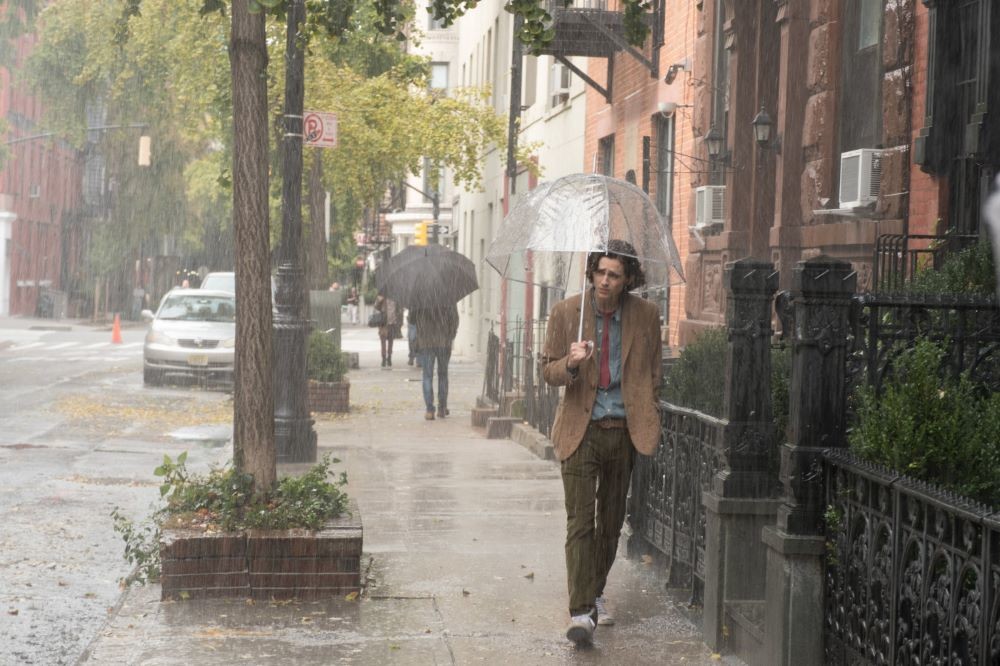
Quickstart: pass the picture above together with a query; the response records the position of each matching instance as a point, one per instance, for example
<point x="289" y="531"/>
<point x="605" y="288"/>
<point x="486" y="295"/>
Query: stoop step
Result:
<point x="499" y="427"/>
<point x="480" y="415"/>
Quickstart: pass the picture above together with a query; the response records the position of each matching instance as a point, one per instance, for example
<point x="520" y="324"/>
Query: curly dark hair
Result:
<point x="623" y="252"/>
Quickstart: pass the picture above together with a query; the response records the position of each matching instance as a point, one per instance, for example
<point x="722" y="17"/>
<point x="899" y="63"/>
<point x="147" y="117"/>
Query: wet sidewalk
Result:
<point x="463" y="549"/>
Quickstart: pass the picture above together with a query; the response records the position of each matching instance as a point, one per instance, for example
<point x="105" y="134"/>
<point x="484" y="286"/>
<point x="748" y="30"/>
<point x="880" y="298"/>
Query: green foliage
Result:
<point x="324" y="361"/>
<point x="944" y="431"/>
<point x="697" y="378"/>
<point x="970" y="271"/>
<point x="224" y="500"/>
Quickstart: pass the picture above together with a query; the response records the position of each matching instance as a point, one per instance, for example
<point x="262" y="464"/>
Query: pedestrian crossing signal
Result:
<point x="420" y="233"/>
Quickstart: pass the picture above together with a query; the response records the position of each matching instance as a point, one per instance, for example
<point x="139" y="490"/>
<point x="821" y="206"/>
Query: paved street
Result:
<point x="80" y="435"/>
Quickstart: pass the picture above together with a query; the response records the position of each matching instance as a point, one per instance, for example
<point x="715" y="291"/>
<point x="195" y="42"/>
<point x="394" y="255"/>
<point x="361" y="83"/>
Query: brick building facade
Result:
<point x="879" y="119"/>
<point x="39" y="194"/>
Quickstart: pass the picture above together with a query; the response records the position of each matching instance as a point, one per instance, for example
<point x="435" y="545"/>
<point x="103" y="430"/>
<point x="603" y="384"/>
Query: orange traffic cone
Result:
<point x="116" y="332"/>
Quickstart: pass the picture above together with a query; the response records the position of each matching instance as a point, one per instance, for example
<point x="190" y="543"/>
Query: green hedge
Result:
<point x="943" y="431"/>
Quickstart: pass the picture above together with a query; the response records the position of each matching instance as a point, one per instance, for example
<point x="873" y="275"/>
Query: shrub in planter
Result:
<point x="931" y="426"/>
<point x="326" y="365"/>
<point x="215" y="537"/>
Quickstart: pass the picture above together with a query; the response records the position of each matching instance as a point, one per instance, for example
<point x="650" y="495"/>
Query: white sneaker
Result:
<point x="604" y="618"/>
<point x="581" y="629"/>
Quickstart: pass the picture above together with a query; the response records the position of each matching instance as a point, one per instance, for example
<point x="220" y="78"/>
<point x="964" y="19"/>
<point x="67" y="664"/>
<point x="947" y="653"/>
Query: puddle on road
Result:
<point x="214" y="435"/>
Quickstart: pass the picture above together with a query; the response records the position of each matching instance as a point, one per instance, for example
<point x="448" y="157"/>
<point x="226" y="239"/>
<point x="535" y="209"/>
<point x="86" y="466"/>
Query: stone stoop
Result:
<point x="499" y="427"/>
<point x="534" y="441"/>
<point x="483" y="410"/>
<point x="745" y="624"/>
<point x="264" y="564"/>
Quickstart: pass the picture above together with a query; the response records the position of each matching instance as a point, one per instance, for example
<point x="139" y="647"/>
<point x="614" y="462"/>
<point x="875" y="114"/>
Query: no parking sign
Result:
<point x="319" y="129"/>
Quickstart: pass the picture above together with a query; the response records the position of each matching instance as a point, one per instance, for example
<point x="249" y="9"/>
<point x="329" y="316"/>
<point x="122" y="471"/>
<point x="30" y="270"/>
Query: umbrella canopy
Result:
<point x="581" y="213"/>
<point x="427" y="276"/>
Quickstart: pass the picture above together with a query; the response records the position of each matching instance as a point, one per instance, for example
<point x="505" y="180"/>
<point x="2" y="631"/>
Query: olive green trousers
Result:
<point x="595" y="483"/>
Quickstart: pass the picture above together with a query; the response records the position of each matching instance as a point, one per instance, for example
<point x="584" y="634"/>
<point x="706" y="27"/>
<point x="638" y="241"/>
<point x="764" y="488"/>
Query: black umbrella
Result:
<point x="427" y="276"/>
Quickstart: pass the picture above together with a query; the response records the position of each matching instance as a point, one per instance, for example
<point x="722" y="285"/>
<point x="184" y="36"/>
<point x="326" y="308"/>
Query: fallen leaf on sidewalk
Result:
<point x="647" y="560"/>
<point x="351" y="597"/>
<point x="530" y="575"/>
<point x="13" y="611"/>
<point x="465" y="592"/>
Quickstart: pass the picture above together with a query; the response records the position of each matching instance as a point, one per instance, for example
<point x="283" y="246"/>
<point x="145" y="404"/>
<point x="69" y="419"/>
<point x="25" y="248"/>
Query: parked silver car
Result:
<point x="192" y="333"/>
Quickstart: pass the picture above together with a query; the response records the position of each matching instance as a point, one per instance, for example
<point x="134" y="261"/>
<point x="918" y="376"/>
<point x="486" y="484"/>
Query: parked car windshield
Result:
<point x="190" y="307"/>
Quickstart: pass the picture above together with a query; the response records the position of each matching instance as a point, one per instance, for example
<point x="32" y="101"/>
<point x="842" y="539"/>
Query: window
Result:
<point x="559" y="80"/>
<point x="434" y="23"/>
<point x="665" y="166"/>
<point x="861" y="112"/>
<point x="606" y="155"/>
<point x="870" y="20"/>
<point x="439" y="76"/>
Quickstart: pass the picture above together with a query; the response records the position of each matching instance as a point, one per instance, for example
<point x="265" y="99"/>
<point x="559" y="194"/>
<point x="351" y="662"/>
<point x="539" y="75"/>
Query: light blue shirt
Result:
<point x="609" y="402"/>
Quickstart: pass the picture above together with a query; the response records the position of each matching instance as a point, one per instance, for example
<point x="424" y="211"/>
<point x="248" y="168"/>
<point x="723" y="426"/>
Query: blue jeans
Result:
<point x="427" y="358"/>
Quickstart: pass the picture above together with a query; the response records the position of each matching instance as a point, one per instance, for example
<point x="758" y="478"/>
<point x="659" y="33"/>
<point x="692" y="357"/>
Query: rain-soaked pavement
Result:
<point x="463" y="547"/>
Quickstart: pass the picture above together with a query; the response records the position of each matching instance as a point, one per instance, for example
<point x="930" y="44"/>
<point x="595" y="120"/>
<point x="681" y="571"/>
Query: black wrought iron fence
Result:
<point x="898" y="257"/>
<point x="912" y="572"/>
<point x="540" y="399"/>
<point x="491" y="375"/>
<point x="884" y="325"/>
<point x="665" y="508"/>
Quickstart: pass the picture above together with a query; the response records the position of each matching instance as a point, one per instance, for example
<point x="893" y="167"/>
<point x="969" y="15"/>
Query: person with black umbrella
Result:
<point x="436" y="329"/>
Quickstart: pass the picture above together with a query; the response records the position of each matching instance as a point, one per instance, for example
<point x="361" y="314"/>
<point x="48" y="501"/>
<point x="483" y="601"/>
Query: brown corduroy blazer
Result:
<point x="642" y="353"/>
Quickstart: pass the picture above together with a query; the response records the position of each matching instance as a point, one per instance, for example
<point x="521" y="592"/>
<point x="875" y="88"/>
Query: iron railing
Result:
<point x="898" y="257"/>
<point x="885" y="325"/>
<point x="665" y="507"/>
<point x="912" y="572"/>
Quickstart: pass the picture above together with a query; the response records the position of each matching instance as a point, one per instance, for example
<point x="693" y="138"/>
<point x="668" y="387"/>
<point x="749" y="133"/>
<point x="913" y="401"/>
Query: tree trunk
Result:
<point x="317" y="266"/>
<point x="253" y="397"/>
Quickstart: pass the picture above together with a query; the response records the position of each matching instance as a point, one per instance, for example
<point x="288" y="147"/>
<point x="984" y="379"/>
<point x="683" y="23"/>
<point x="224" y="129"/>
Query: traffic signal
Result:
<point x="420" y="233"/>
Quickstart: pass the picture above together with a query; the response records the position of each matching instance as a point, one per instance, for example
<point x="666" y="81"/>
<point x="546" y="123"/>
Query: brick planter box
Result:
<point x="264" y="564"/>
<point x="329" y="396"/>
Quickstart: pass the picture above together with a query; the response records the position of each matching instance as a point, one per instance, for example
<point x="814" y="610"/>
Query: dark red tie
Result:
<point x="605" y="355"/>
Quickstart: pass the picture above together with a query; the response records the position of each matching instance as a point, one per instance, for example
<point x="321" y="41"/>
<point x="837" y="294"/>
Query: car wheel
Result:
<point x="152" y="377"/>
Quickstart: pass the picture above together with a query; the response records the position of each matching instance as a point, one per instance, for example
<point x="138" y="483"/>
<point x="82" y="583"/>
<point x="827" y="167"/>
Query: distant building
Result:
<point x="39" y="197"/>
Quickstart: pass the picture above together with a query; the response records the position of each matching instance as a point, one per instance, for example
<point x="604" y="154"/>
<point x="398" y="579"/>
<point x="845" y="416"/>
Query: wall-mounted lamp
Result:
<point x="676" y="67"/>
<point x="763" y="127"/>
<point x="667" y="109"/>
<point x="714" y="142"/>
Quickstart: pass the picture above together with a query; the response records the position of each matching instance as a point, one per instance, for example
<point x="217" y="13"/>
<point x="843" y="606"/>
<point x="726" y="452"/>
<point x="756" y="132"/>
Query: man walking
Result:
<point x="436" y="329"/>
<point x="609" y="410"/>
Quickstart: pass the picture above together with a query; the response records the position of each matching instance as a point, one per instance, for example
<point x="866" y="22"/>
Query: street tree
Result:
<point x="377" y="147"/>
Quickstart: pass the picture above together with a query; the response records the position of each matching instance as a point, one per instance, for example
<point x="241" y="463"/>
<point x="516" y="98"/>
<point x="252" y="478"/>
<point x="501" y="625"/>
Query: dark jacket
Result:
<point x="436" y="327"/>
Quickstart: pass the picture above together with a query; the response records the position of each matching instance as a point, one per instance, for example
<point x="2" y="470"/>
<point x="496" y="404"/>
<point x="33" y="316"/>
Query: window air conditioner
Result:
<point x="860" y="177"/>
<point x="709" y="205"/>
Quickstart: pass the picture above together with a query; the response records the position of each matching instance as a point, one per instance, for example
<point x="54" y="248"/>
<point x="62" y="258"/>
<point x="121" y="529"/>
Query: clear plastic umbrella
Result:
<point x="577" y="214"/>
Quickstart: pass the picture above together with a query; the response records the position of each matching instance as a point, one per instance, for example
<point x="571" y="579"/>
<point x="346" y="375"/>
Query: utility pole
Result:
<point x="294" y="437"/>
